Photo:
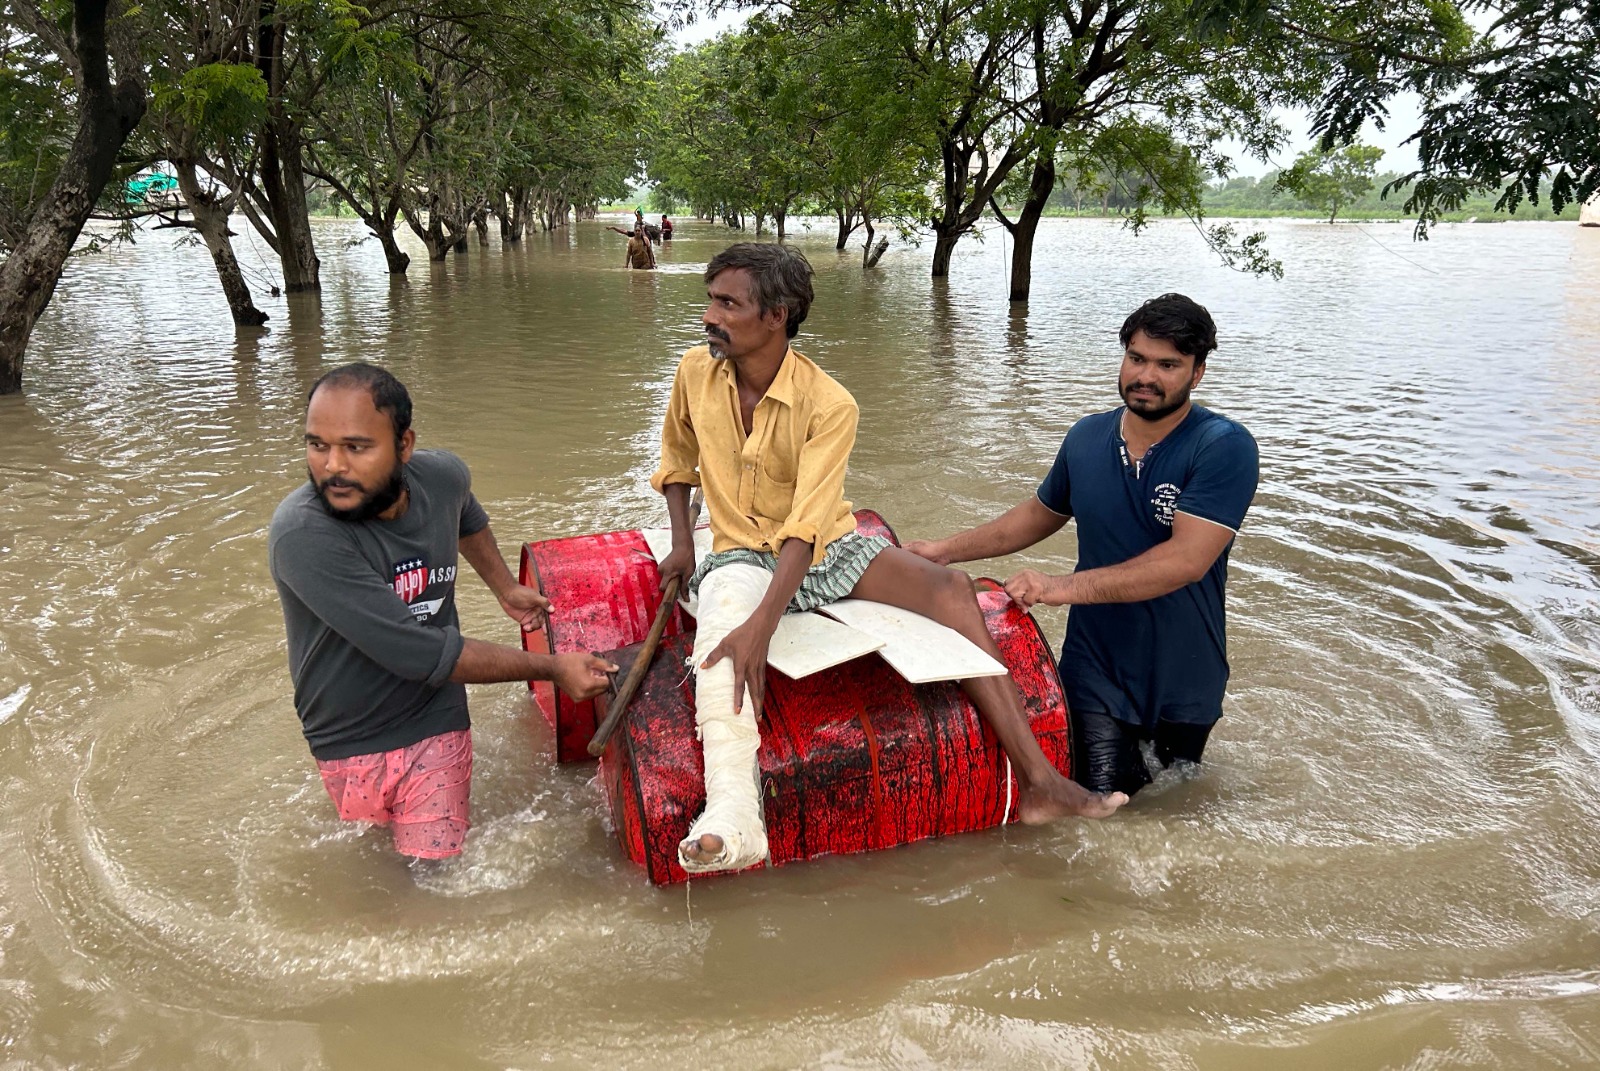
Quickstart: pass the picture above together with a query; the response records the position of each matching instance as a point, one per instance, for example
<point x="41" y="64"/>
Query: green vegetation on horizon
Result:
<point x="885" y="114"/>
<point x="1246" y="197"/>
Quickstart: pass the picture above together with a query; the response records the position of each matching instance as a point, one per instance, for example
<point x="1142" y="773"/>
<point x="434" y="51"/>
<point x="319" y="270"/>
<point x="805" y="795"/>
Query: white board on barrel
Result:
<point x="919" y="649"/>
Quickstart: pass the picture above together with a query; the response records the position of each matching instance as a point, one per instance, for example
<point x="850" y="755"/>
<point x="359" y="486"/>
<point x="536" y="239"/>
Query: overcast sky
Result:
<point x="1403" y="117"/>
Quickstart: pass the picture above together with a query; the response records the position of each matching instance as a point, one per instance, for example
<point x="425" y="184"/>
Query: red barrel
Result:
<point x="852" y="759"/>
<point x="605" y="589"/>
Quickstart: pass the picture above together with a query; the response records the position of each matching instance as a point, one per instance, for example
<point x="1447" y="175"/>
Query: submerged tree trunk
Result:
<point x="107" y="114"/>
<point x="944" y="244"/>
<point x="1040" y="186"/>
<point x="431" y="233"/>
<point x="517" y="220"/>
<point x="283" y="179"/>
<point x="211" y="220"/>
<point x="965" y="194"/>
<point x="866" y="250"/>
<point x="302" y="270"/>
<point x="502" y="215"/>
<point x="847" y="224"/>
<point x="374" y="212"/>
<point x="397" y="259"/>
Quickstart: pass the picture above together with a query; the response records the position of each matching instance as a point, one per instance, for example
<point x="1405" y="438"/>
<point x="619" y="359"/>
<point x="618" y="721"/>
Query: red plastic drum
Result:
<point x="605" y="590"/>
<point x="852" y="759"/>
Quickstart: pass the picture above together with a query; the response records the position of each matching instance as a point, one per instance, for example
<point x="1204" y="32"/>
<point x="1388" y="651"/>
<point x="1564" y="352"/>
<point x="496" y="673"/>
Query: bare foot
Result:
<point x="704" y="850"/>
<point x="1061" y="797"/>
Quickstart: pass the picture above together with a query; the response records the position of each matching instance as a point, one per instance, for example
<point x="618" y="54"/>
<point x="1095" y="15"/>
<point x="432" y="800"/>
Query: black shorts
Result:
<point x="1106" y="755"/>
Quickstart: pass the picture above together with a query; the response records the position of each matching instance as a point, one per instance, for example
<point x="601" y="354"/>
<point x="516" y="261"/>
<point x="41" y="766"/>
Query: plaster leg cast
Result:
<point x="728" y="596"/>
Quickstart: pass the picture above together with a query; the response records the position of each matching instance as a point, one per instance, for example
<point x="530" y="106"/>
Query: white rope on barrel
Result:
<point x="1006" y="819"/>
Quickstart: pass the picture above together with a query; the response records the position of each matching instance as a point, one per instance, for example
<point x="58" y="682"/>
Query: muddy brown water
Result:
<point x="1390" y="858"/>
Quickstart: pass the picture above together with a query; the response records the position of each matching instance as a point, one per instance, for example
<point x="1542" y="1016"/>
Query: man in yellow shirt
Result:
<point x="767" y="435"/>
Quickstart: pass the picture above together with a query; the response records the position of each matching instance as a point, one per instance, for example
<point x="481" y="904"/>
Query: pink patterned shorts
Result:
<point x="421" y="790"/>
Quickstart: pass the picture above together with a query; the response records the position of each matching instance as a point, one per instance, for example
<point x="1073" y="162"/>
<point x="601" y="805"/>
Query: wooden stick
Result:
<point x="636" y="672"/>
<point x="647" y="651"/>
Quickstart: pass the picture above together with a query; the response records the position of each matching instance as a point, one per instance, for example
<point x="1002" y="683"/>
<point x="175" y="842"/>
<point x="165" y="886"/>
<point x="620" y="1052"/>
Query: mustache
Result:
<point x="340" y="481"/>
<point x="716" y="332"/>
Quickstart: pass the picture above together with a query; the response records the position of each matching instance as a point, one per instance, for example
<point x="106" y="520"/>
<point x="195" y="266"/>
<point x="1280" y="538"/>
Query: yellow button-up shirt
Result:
<point x="785" y="480"/>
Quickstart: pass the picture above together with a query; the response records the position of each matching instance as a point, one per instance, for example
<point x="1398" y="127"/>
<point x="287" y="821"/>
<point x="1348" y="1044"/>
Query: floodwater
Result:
<point x="1391" y="857"/>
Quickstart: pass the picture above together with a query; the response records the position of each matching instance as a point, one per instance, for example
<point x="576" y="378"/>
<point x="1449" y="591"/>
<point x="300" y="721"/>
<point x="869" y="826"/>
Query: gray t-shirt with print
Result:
<point x="370" y="611"/>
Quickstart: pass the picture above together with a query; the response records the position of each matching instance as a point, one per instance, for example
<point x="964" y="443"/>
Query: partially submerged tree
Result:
<point x="443" y="117"/>
<point x="96" y="47"/>
<point x="208" y="104"/>
<point x="1508" y="111"/>
<point x="953" y="60"/>
<point x="784" y="113"/>
<point x="1332" y="178"/>
<point x="734" y="130"/>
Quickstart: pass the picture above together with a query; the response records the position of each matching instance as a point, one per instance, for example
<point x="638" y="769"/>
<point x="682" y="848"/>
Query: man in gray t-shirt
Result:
<point x="364" y="556"/>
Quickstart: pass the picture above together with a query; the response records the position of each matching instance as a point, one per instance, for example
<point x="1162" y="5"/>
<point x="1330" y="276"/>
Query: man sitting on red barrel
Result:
<point x="767" y="435"/>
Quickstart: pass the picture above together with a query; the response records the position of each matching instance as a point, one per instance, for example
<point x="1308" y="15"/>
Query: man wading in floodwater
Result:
<point x="768" y="434"/>
<point x="1159" y="486"/>
<point x="639" y="255"/>
<point x="364" y="557"/>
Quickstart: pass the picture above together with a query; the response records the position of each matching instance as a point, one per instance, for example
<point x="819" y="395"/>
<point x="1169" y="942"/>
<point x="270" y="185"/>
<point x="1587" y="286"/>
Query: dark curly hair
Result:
<point x="1176" y="319"/>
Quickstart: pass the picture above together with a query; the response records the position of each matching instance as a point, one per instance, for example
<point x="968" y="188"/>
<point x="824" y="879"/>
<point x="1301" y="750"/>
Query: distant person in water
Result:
<point x="666" y="229"/>
<point x="364" y="556"/>
<point x="651" y="232"/>
<point x="767" y="435"/>
<point x="639" y="253"/>
<point x="1159" y="487"/>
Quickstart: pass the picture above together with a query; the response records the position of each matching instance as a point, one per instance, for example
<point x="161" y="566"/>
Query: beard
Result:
<point x="372" y="502"/>
<point x="718" y="344"/>
<point x="1156" y="407"/>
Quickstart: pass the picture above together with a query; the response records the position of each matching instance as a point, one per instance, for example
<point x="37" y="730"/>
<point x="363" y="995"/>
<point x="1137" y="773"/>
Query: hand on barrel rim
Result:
<point x="582" y="675"/>
<point x="746" y="646"/>
<point x="526" y="606"/>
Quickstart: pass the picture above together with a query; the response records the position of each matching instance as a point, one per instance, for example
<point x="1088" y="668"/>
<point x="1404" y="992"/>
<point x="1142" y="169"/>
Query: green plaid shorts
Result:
<point x="830" y="580"/>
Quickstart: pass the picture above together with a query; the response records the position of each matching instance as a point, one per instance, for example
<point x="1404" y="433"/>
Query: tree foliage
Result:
<point x="757" y="122"/>
<point x="38" y="98"/>
<point x="1508" y="109"/>
<point x="1331" y="178"/>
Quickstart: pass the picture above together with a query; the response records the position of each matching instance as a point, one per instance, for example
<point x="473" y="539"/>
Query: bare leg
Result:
<point x="899" y="578"/>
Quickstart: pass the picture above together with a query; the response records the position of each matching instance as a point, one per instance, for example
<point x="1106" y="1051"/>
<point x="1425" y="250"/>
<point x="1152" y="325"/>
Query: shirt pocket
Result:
<point x="774" y="498"/>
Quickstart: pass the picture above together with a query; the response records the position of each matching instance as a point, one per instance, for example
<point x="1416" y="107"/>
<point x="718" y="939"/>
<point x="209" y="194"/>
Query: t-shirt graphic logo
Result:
<point x="410" y="578"/>
<point x="1164" y="498"/>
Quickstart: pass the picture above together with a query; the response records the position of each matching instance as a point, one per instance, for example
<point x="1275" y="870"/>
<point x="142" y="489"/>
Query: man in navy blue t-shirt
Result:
<point x="1159" y="487"/>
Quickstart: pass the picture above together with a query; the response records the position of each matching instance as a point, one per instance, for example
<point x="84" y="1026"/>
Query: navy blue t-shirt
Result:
<point x="1165" y="658"/>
